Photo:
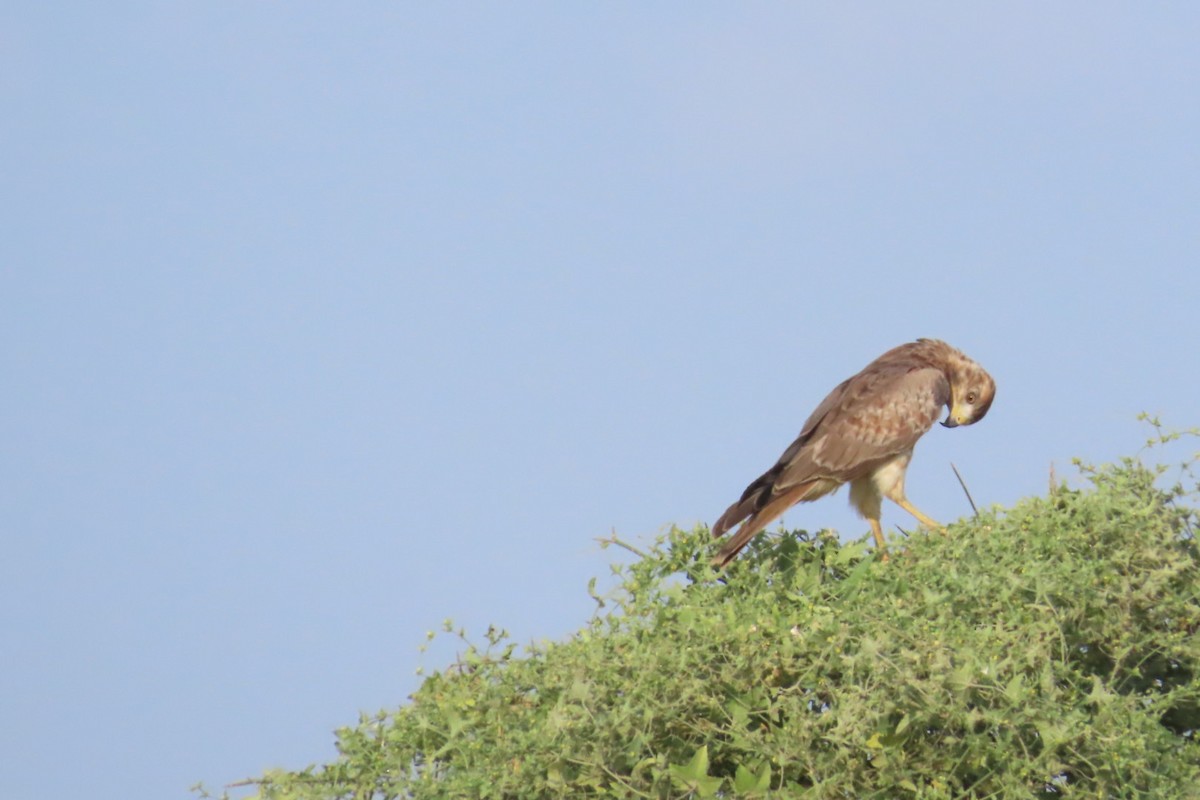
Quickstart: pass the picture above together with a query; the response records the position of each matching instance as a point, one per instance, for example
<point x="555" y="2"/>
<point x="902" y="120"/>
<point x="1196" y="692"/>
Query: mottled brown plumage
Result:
<point x="863" y="433"/>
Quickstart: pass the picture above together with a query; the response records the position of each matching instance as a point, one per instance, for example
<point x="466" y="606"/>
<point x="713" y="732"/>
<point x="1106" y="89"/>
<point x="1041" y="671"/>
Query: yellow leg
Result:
<point x="877" y="532"/>
<point x="922" y="518"/>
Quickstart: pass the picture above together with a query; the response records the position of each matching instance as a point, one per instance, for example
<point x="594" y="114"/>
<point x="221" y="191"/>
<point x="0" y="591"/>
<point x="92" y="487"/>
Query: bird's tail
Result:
<point x="757" y="519"/>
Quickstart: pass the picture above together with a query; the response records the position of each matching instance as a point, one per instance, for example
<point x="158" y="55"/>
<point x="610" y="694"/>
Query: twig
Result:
<point x="604" y="542"/>
<point x="966" y="491"/>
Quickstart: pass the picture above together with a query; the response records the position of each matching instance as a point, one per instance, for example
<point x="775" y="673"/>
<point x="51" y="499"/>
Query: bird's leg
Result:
<point x="895" y="493"/>
<point x="877" y="532"/>
<point x="925" y="520"/>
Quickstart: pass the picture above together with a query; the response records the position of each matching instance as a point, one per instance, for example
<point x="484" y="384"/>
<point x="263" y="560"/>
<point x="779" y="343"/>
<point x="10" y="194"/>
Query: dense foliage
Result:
<point x="1052" y="649"/>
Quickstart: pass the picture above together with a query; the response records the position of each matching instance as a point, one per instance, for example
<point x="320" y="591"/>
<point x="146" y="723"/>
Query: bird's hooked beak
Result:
<point x="960" y="414"/>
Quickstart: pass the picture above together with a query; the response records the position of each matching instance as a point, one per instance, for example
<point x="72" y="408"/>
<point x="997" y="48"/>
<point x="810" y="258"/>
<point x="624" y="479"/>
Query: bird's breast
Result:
<point x="890" y="474"/>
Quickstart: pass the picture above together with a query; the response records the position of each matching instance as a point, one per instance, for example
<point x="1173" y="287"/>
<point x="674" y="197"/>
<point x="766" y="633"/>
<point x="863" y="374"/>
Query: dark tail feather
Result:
<point x="759" y="519"/>
<point x="757" y="495"/>
<point x="734" y="546"/>
<point x="736" y="513"/>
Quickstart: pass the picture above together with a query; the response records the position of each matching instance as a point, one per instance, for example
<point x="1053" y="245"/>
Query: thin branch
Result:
<point x="966" y="491"/>
<point x="605" y="541"/>
<point x="245" y="782"/>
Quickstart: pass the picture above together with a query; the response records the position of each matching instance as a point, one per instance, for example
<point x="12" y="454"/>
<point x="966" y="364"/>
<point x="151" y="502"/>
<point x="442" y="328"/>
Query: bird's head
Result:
<point x="971" y="393"/>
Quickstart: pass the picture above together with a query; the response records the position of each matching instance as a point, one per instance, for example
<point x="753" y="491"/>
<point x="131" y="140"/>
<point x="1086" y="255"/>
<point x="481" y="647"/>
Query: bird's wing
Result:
<point x="878" y="414"/>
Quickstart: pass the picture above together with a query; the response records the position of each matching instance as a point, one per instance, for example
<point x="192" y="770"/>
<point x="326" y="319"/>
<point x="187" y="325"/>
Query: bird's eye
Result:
<point x="970" y="398"/>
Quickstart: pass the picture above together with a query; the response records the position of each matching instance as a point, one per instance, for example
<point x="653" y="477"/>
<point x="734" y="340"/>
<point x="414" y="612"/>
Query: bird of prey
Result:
<point x="863" y="434"/>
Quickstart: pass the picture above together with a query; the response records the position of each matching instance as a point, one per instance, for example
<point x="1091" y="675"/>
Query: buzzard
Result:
<point x="863" y="433"/>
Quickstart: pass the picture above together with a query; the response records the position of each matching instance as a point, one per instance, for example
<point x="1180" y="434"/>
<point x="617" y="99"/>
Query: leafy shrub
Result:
<point x="1048" y="650"/>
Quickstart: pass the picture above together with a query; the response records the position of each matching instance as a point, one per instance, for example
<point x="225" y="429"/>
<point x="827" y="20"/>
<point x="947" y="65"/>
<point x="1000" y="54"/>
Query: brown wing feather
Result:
<point x="883" y="412"/>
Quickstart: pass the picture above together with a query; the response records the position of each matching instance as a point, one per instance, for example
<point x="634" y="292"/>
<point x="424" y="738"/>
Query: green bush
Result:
<point x="1048" y="650"/>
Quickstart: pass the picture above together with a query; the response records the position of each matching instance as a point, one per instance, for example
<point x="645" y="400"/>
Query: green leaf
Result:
<point x="1014" y="690"/>
<point x="694" y="769"/>
<point x="746" y="780"/>
<point x="591" y="590"/>
<point x="708" y="787"/>
<point x="694" y="774"/>
<point x="738" y="713"/>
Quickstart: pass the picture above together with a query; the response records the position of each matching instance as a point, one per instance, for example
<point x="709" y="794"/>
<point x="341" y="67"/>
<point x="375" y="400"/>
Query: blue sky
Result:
<point x="324" y="323"/>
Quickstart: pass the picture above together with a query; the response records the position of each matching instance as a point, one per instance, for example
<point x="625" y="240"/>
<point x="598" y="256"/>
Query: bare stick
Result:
<point x="966" y="491"/>
<point x="604" y="542"/>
